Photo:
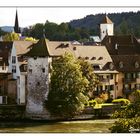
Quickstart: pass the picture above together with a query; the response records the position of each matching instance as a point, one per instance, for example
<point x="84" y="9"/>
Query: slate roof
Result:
<point x="38" y="49"/>
<point x="121" y="45"/>
<point x="128" y="61"/>
<point x="5" y="50"/>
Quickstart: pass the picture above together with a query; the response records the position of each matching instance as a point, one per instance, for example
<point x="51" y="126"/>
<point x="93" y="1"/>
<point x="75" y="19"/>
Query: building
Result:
<point x="13" y="71"/>
<point x="106" y="27"/>
<point x="16" y="26"/>
<point x="39" y="60"/>
<point x="125" y="53"/>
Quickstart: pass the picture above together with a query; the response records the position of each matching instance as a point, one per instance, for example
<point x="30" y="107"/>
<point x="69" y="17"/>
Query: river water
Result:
<point x="82" y="126"/>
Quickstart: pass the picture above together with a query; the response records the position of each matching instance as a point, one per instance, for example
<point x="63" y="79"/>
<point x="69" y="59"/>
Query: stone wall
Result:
<point x="37" y="86"/>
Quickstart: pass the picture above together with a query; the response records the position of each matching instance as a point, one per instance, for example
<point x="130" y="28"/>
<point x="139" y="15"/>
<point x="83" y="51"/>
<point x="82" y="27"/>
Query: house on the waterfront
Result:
<point x="125" y="53"/>
<point x="39" y="60"/>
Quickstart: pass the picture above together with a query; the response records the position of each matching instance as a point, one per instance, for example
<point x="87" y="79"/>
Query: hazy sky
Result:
<point x="35" y="13"/>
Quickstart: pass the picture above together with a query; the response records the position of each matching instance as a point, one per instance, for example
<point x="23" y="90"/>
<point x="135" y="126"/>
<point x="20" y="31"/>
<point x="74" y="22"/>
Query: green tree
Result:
<point x="37" y="31"/>
<point x="88" y="72"/>
<point x="2" y="32"/>
<point x="66" y="96"/>
<point x="124" y="27"/>
<point x="11" y="37"/>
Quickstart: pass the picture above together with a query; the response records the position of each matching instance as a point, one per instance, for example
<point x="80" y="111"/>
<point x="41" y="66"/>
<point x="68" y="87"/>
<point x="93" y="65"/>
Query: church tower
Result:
<point x="16" y="27"/>
<point x="106" y="27"/>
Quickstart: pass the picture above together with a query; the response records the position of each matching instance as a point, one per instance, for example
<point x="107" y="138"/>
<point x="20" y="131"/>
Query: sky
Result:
<point x="58" y="11"/>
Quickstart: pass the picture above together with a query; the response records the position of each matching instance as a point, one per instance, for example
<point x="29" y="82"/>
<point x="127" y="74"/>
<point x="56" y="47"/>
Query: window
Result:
<point x="108" y="77"/>
<point x="13" y="59"/>
<point x="136" y="64"/>
<point x="111" y="87"/>
<point x="111" y="66"/>
<point x="121" y="64"/>
<point x="14" y="69"/>
<point x="38" y="83"/>
<point x="43" y="70"/>
<point x="3" y="99"/>
<point x="25" y="67"/>
<point x="30" y="70"/>
<point x="111" y="76"/>
<point x="100" y="58"/>
<point x="93" y="58"/>
<point x="96" y="67"/>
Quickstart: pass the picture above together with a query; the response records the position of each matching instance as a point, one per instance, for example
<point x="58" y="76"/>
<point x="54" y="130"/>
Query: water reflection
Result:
<point x="86" y="126"/>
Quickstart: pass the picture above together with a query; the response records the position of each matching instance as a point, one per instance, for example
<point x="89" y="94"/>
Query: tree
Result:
<point x="66" y="96"/>
<point x="11" y="37"/>
<point x="88" y="72"/>
<point x="124" y="27"/>
<point x="2" y="32"/>
<point x="37" y="31"/>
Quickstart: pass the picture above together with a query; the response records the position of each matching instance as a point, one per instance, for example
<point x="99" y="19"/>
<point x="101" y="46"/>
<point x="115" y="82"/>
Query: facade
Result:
<point x="106" y="27"/>
<point x="125" y="53"/>
<point x="12" y="76"/>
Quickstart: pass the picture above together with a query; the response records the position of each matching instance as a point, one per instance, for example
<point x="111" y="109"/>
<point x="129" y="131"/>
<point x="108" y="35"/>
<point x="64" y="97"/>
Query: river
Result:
<point x="82" y="126"/>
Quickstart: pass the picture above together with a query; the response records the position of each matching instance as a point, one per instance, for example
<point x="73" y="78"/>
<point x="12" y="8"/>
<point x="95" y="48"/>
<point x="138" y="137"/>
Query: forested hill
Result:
<point x="82" y="29"/>
<point x="124" y="23"/>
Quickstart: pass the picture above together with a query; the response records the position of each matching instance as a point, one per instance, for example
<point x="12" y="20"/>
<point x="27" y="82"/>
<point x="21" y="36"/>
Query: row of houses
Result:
<point x="25" y="67"/>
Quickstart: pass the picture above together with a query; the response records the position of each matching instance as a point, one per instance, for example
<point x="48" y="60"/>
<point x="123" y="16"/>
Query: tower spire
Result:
<point x="16" y="27"/>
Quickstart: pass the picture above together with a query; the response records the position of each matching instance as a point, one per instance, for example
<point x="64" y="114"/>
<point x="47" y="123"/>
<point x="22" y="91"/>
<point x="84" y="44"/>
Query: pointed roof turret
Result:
<point x="106" y="20"/>
<point x="16" y="27"/>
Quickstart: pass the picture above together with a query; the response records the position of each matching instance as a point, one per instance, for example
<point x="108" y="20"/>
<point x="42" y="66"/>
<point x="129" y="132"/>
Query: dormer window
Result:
<point x="100" y="58"/>
<point x="93" y="58"/>
<point x="96" y="67"/>
<point x="121" y="64"/>
<point x="86" y="57"/>
<point x="116" y="46"/>
<point x="136" y="64"/>
<point x="111" y="66"/>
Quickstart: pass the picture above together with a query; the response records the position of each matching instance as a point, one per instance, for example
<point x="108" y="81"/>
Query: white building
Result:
<point x="106" y="27"/>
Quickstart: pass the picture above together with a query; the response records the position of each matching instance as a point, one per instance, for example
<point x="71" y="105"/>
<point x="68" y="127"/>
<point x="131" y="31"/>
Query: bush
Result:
<point x="126" y="125"/>
<point x="130" y="111"/>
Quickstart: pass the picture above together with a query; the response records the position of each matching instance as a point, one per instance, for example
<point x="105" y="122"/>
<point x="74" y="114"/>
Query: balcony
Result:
<point x="129" y="80"/>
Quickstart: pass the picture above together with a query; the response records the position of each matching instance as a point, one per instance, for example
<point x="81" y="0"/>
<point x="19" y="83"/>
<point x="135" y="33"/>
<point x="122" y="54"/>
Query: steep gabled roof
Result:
<point x="39" y="49"/>
<point x="16" y="27"/>
<point x="5" y="50"/>
<point x="106" y="20"/>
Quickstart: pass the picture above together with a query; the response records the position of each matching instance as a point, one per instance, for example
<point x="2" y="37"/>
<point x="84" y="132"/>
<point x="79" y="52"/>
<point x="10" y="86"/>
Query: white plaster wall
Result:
<point x="13" y="53"/>
<point x="37" y="92"/>
<point x="106" y="27"/>
<point x="20" y="79"/>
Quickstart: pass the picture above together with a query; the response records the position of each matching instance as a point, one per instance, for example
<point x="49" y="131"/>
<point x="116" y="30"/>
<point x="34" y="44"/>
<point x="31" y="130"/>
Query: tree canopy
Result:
<point x="11" y="37"/>
<point x="68" y="85"/>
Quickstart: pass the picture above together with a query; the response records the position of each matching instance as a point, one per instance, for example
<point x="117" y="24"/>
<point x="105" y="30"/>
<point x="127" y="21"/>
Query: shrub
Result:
<point x="126" y="125"/>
